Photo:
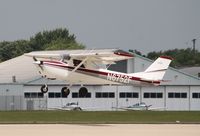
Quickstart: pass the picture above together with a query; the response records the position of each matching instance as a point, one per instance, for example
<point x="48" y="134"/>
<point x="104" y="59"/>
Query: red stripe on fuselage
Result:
<point x="56" y="62"/>
<point x="63" y="65"/>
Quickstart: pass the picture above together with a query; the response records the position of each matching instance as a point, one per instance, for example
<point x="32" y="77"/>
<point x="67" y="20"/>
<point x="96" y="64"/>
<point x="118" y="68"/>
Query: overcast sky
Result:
<point x="144" y="25"/>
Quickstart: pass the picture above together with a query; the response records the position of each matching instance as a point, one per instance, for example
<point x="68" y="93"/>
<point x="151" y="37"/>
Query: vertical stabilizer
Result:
<point x="156" y="71"/>
<point x="162" y="63"/>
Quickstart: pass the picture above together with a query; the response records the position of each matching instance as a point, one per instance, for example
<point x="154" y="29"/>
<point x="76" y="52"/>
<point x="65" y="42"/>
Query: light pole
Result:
<point x="194" y="48"/>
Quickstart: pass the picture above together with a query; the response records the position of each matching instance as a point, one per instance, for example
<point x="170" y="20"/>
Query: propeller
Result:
<point x="38" y="62"/>
<point x="34" y="58"/>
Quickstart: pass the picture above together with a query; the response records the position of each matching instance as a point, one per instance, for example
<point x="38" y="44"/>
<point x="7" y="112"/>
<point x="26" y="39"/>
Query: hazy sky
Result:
<point x="144" y="25"/>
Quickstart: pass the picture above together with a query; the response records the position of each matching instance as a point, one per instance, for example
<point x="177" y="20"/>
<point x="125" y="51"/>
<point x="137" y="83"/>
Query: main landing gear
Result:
<point x="83" y="92"/>
<point x="65" y="91"/>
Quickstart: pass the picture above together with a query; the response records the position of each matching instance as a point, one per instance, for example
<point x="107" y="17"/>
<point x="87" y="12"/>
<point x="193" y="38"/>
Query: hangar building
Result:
<point x="20" y="89"/>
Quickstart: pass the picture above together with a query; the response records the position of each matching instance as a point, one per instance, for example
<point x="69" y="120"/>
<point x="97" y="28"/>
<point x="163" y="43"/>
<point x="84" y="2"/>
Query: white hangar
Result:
<point x="20" y="86"/>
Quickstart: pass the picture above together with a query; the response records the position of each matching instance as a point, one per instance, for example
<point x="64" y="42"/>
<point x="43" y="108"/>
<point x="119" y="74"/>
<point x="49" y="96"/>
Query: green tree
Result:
<point x="182" y="57"/>
<point x="58" y="39"/>
<point x="42" y="40"/>
<point x="62" y="44"/>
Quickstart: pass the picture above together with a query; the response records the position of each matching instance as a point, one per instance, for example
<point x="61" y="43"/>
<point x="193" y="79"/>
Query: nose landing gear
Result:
<point x="44" y="88"/>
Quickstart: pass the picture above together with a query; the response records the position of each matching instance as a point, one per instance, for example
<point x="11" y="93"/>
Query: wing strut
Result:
<point x="83" y="61"/>
<point x="70" y="84"/>
<point x="79" y="65"/>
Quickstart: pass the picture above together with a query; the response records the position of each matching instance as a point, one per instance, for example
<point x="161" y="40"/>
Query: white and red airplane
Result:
<point x="140" y="106"/>
<point x="90" y="67"/>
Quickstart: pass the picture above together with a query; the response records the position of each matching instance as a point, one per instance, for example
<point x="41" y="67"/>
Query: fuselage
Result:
<point x="64" y="71"/>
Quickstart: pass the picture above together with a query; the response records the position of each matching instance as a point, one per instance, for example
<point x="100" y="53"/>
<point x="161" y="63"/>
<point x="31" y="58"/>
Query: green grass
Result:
<point x="76" y="117"/>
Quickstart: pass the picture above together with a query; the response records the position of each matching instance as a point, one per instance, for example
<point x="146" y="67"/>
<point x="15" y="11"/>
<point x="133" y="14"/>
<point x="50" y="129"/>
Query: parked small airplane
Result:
<point x="137" y="106"/>
<point x="71" y="106"/>
<point x="91" y="67"/>
<point x="140" y="106"/>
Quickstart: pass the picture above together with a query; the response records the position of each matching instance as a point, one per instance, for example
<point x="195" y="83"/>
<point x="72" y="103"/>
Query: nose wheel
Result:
<point x="44" y="88"/>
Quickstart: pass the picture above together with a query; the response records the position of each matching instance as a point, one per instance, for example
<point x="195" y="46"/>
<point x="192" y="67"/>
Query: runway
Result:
<point x="101" y="129"/>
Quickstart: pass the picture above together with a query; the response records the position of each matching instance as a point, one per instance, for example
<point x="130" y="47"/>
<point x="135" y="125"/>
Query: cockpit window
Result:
<point x="77" y="62"/>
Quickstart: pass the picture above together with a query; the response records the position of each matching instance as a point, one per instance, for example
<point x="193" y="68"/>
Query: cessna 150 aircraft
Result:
<point x="140" y="106"/>
<point x="90" y="67"/>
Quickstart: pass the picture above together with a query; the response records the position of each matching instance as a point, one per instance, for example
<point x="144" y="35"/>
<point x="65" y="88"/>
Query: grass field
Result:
<point x="107" y="117"/>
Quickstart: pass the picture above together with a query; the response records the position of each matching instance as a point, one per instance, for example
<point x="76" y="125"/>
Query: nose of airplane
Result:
<point x="38" y="62"/>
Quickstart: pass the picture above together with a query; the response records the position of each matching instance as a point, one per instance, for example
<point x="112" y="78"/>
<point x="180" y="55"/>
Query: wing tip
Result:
<point x="123" y="53"/>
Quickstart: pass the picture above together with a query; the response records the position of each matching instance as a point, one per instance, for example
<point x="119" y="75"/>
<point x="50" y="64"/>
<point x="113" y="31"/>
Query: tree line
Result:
<point x="61" y="39"/>
<point x="182" y="57"/>
<point x="58" y="39"/>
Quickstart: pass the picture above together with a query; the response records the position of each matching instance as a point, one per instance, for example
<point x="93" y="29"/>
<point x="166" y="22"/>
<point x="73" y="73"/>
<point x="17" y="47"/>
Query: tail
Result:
<point x="156" y="71"/>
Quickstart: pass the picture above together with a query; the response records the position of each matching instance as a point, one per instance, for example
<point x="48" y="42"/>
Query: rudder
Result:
<point x="162" y="63"/>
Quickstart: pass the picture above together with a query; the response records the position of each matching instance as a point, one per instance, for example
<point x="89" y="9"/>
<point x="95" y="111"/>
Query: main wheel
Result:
<point x="44" y="88"/>
<point x="83" y="92"/>
<point x="65" y="91"/>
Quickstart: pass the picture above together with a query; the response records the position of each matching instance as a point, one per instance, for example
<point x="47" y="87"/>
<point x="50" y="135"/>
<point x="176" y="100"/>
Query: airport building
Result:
<point x="20" y="85"/>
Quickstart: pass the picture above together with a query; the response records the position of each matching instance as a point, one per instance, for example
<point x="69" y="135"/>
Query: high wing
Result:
<point x="102" y="56"/>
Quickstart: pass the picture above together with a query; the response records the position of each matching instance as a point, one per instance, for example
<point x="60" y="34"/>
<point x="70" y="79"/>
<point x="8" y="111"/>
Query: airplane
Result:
<point x="91" y="67"/>
<point x="139" y="106"/>
<point x="71" y="106"/>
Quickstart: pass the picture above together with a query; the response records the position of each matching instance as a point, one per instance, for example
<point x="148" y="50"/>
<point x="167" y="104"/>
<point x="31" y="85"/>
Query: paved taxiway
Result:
<point x="101" y="130"/>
